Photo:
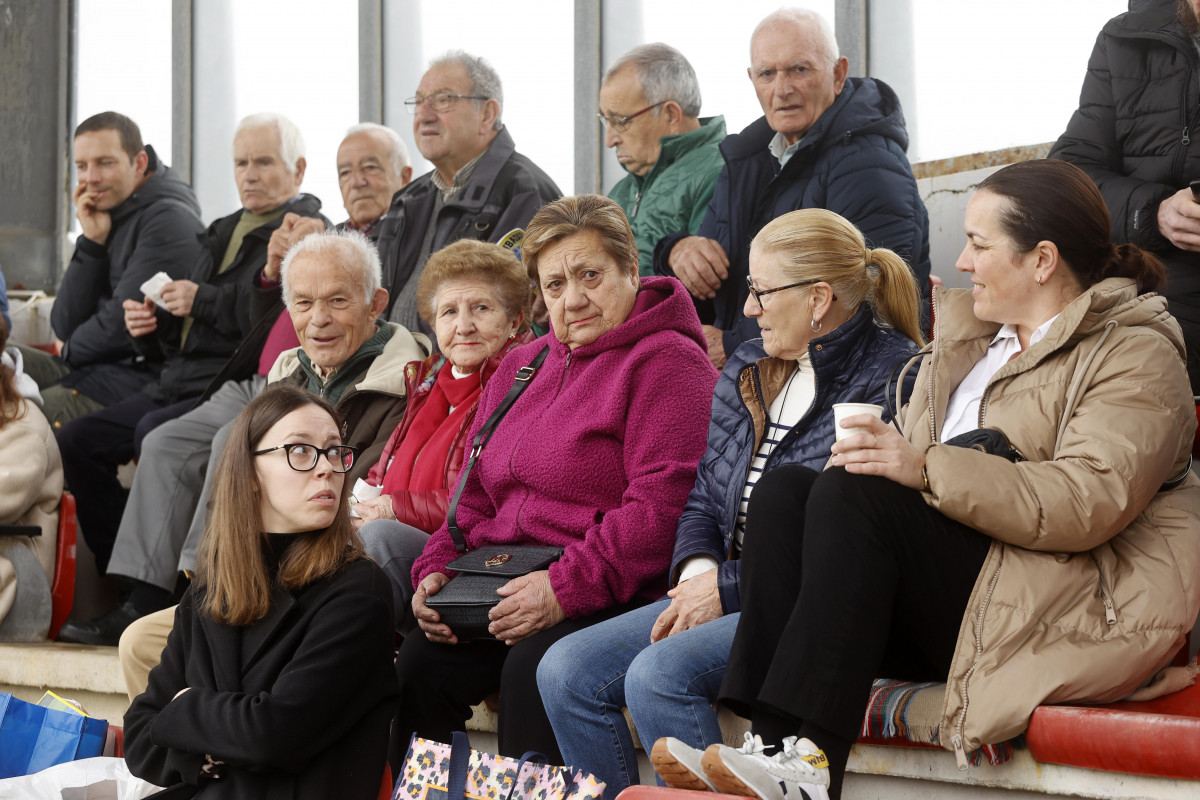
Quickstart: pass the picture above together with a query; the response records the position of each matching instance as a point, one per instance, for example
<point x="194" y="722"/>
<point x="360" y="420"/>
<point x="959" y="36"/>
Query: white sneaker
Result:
<point x="799" y="772"/>
<point x="679" y="765"/>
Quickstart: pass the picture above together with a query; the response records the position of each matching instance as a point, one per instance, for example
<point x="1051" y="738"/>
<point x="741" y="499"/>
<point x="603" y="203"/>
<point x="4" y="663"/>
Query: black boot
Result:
<point x="143" y="599"/>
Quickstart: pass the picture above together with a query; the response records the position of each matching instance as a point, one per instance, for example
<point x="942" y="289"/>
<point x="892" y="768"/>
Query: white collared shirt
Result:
<point x="782" y="150"/>
<point x="962" y="412"/>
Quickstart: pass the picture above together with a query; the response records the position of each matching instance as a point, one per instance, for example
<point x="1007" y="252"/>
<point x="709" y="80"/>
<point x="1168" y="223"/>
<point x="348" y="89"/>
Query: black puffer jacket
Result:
<point x="221" y="310"/>
<point x="852" y="364"/>
<point x="852" y="162"/>
<point x="157" y="228"/>
<point x="1136" y="133"/>
<point x="1137" y="129"/>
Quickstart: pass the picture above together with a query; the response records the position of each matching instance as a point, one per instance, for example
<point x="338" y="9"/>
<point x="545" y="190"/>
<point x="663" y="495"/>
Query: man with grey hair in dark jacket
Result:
<point x="825" y="141"/>
<point x="480" y="187"/>
<point x="1136" y="135"/>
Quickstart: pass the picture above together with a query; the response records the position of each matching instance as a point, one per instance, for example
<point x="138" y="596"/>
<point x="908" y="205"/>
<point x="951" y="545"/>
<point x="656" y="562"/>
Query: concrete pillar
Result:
<point x="37" y="58"/>
<point x="370" y="61"/>
<point x="850" y="18"/>
<point x="181" y="88"/>
<point x="588" y="37"/>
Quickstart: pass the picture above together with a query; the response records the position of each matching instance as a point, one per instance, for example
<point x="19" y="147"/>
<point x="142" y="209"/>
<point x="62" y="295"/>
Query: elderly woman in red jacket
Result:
<point x="476" y="298"/>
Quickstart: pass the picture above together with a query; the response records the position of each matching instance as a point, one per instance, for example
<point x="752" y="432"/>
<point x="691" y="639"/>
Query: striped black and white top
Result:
<point x="788" y="407"/>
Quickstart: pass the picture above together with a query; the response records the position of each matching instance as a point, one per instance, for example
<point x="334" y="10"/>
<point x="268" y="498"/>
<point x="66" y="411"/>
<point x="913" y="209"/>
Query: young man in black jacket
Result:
<point x="137" y="217"/>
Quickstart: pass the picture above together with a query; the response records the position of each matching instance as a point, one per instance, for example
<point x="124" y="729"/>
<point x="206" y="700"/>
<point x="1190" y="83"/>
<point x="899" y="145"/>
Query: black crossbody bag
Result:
<point x="465" y="601"/>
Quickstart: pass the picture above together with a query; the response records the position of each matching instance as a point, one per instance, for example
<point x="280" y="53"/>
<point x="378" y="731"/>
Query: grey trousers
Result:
<point x="170" y="486"/>
<point x="394" y="546"/>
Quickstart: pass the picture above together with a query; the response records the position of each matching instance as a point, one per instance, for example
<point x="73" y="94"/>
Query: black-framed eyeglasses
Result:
<point x="759" y="294"/>
<point x="621" y="124"/>
<point x="438" y="101"/>
<point x="302" y="456"/>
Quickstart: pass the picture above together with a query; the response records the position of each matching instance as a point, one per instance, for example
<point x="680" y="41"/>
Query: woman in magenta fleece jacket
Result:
<point x="597" y="456"/>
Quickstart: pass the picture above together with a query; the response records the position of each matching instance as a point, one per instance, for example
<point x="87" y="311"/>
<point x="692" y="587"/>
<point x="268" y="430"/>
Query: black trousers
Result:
<point x="439" y="683"/>
<point x="92" y="448"/>
<point x="845" y="578"/>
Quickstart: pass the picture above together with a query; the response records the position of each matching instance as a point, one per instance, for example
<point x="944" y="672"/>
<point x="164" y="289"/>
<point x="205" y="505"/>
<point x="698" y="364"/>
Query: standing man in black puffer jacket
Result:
<point x="1136" y="133"/>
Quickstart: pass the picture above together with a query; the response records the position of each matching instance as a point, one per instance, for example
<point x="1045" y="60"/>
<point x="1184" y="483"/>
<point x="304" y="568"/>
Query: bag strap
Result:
<point x="520" y="383"/>
<point x="896" y="378"/>
<point x="531" y="756"/>
<point x="460" y="762"/>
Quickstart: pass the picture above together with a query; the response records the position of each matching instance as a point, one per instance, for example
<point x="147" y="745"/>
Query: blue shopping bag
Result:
<point x="33" y="738"/>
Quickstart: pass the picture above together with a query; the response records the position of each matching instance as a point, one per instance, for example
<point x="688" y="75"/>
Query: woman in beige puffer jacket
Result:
<point x="1079" y="564"/>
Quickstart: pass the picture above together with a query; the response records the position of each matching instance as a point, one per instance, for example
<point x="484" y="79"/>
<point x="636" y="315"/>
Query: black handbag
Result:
<point x="465" y="601"/>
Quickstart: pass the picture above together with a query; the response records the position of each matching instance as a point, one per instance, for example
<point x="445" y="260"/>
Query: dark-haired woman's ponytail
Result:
<point x="1131" y="261"/>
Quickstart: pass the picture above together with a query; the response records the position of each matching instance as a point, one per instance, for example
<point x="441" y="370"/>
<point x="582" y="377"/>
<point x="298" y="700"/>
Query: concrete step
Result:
<point x="89" y="675"/>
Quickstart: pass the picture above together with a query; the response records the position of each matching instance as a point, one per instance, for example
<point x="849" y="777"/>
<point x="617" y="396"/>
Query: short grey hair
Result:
<point x="485" y="81"/>
<point x="807" y="18"/>
<point x="400" y="158"/>
<point x="664" y="74"/>
<point x="291" y="143"/>
<point x="349" y="247"/>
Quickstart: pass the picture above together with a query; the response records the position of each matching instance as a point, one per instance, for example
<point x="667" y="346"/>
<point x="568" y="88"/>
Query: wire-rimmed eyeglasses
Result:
<point x="302" y="456"/>
<point x="759" y="294"/>
<point x="621" y="124"/>
<point x="438" y="101"/>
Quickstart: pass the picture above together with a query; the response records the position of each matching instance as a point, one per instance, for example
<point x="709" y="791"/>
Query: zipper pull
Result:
<point x="960" y="755"/>
<point x="1110" y="610"/>
<point x="637" y="198"/>
<point x="1186" y="139"/>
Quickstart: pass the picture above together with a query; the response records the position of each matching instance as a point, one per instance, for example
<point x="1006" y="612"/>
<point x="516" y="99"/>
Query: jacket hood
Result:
<point x="26" y="386"/>
<point x="662" y="304"/>
<point x="1147" y="16"/>
<point x="164" y="183"/>
<point x="386" y="373"/>
<point x="1110" y="300"/>
<point x="865" y="106"/>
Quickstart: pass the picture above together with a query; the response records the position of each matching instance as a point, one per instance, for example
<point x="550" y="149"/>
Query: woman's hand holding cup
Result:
<point x="866" y="445"/>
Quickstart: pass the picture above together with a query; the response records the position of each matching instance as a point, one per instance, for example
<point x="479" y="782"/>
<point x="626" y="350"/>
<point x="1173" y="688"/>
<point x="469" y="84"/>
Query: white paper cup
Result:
<point x="843" y="410"/>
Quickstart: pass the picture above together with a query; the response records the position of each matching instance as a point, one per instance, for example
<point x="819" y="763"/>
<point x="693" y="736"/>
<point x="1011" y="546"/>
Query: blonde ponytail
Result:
<point x="894" y="298"/>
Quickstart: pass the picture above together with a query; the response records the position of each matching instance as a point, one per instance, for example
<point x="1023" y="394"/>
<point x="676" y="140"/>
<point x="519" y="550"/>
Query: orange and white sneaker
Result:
<point x="800" y="771"/>
<point x="679" y="766"/>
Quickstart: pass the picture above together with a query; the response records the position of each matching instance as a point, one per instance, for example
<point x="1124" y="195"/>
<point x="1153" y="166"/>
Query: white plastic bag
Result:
<point x="87" y="779"/>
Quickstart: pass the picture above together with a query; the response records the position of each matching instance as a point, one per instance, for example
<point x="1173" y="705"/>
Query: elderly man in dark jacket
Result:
<point x="137" y="217"/>
<point x="824" y="141"/>
<point x="198" y="323"/>
<point x="480" y="186"/>
<point x="1136" y="135"/>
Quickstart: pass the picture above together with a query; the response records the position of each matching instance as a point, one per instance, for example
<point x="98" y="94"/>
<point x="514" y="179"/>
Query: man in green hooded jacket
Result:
<point x="650" y="106"/>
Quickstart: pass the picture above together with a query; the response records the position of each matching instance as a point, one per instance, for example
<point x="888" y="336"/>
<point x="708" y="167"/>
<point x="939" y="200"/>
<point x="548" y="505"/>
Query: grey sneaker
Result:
<point x="799" y="772"/>
<point x="679" y="765"/>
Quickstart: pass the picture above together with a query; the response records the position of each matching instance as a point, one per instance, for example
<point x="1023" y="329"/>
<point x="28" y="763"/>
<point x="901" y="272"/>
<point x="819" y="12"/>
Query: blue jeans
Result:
<point x="670" y="687"/>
